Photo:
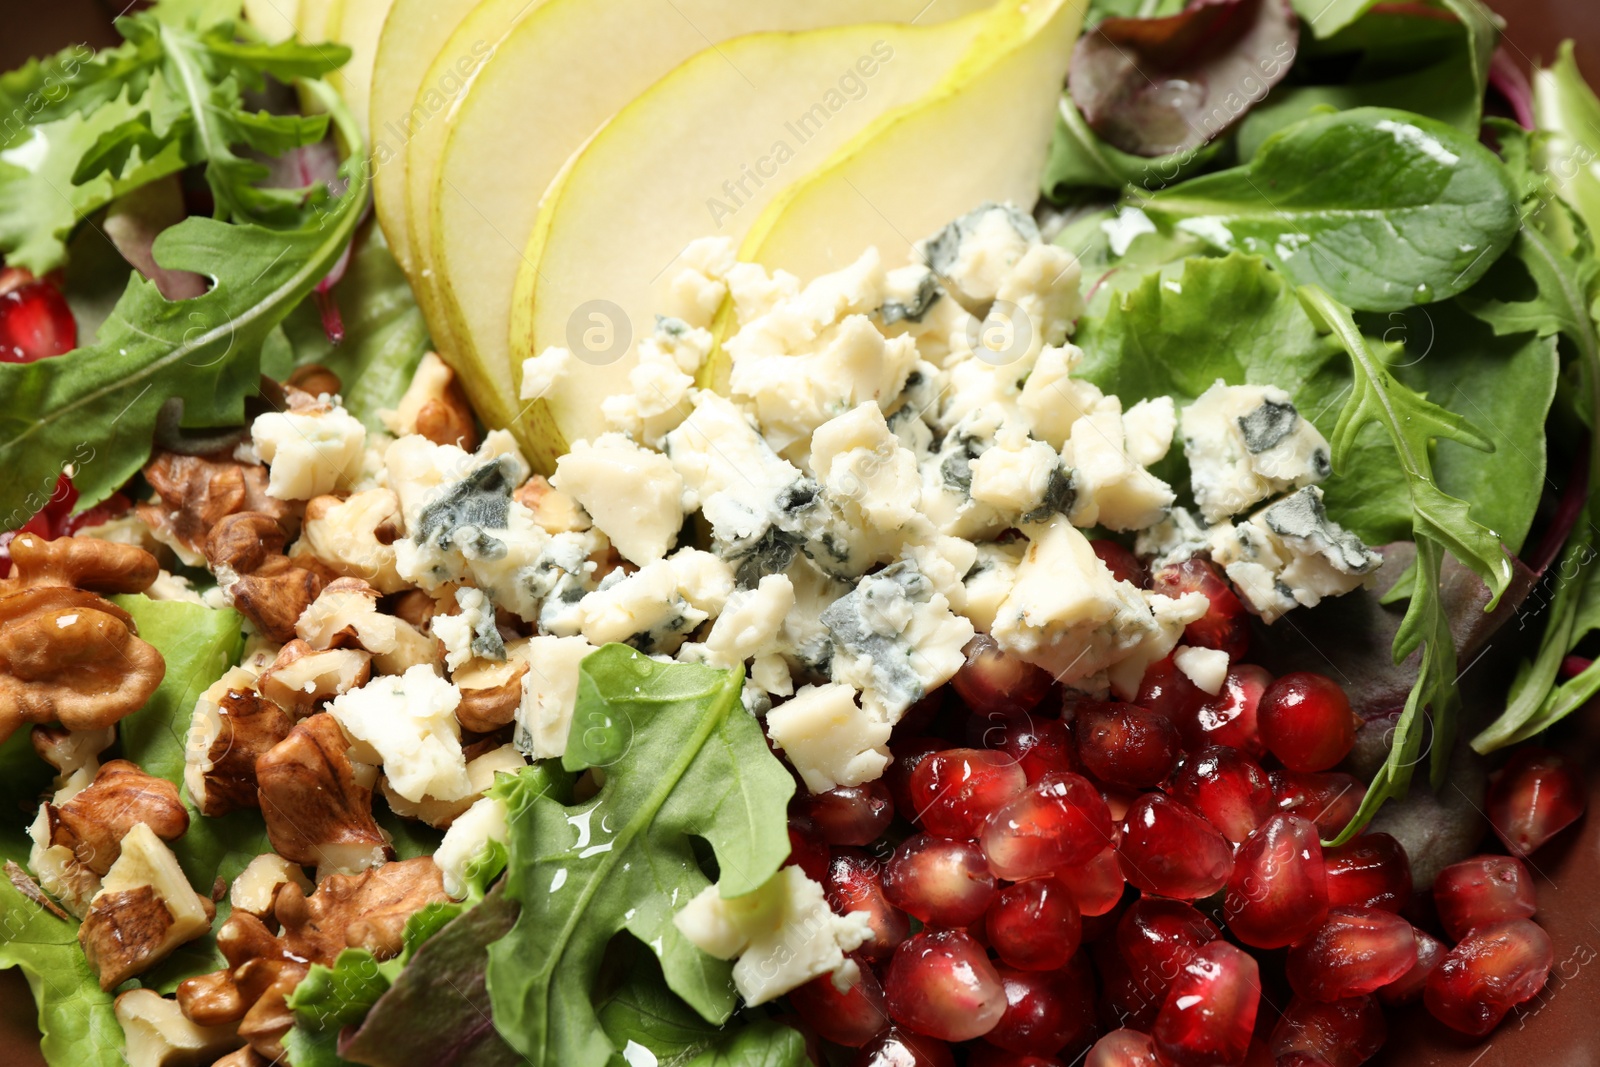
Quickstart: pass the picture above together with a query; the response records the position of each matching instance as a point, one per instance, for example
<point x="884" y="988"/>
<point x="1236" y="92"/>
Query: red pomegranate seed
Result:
<point x="1039" y="745"/>
<point x="1169" y="851"/>
<point x="1342" y="1034"/>
<point x="1481" y="891"/>
<point x="1169" y="691"/>
<point x="849" y="814"/>
<point x="1123" y="564"/>
<point x="1210" y="1010"/>
<point x="1356" y="952"/>
<point x="1278" y="892"/>
<point x="1408" y="987"/>
<point x="35" y="323"/>
<point x="1123" y="1048"/>
<point x="1491" y="971"/>
<point x="1124" y="744"/>
<point x="850" y="1018"/>
<point x="1034" y="925"/>
<point x="1229" y="718"/>
<point x="982" y="1055"/>
<point x="901" y="1048"/>
<point x="807" y="849"/>
<point x="113" y="507"/>
<point x="1123" y="1003"/>
<point x="908" y="754"/>
<point x="1157" y="937"/>
<point x="1053" y="824"/>
<point x="957" y="789"/>
<point x="1045" y="1010"/>
<point x="938" y="880"/>
<point x="1329" y="800"/>
<point x="1225" y="625"/>
<point x="855" y="883"/>
<point x="1370" y="871"/>
<point x="994" y="680"/>
<point x="1306" y="721"/>
<point x="1296" y="1059"/>
<point x="941" y="983"/>
<point x="1096" y="883"/>
<point x="1534" y="797"/>
<point x="1227" y="787"/>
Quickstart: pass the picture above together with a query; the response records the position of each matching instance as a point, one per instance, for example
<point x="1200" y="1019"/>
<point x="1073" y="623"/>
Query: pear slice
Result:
<point x="273" y="19"/>
<point x="494" y="157"/>
<point x="411" y="38"/>
<point x="311" y="20"/>
<point x="701" y="152"/>
<point x="981" y="135"/>
<point x="358" y="24"/>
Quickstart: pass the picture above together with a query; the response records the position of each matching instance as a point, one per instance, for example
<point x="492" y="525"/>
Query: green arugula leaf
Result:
<point x="682" y="760"/>
<point x="96" y="406"/>
<point x="1384" y="209"/>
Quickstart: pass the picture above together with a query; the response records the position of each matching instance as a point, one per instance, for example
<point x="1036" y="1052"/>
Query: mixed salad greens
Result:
<point x="1347" y="225"/>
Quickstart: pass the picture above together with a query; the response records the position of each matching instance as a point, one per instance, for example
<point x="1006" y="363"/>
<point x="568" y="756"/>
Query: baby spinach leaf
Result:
<point x="1384" y="209"/>
<point x="682" y="760"/>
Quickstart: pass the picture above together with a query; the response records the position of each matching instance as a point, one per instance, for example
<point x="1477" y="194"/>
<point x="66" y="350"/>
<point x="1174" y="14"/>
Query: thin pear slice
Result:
<point x="982" y="135"/>
<point x="273" y="19"/>
<point x="411" y="38"/>
<point x="494" y="156"/>
<point x="311" y="20"/>
<point x="701" y="152"/>
<point x="358" y="24"/>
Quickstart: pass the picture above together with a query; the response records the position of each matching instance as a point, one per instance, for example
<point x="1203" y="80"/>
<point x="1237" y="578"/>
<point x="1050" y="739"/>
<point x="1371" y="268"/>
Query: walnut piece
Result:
<point x="344" y="614"/>
<point x="257" y="885"/>
<point x="81" y="563"/>
<point x="245" y="552"/>
<point x="145" y="908"/>
<point x="211" y="999"/>
<point x="490" y="692"/>
<point x="301" y="677"/>
<point x="75" y="754"/>
<point x="553" y="510"/>
<point x="434" y="406"/>
<point x="231" y="728"/>
<point x="71" y="656"/>
<point x="355" y="537"/>
<point x="194" y="493"/>
<point x="367" y="910"/>
<point x="316" y="812"/>
<point x="158" y="1034"/>
<point x="93" y="823"/>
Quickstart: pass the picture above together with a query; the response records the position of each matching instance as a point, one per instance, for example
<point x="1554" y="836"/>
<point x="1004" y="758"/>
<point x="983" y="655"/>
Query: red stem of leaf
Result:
<point x="1574" y="498"/>
<point x="1507" y="79"/>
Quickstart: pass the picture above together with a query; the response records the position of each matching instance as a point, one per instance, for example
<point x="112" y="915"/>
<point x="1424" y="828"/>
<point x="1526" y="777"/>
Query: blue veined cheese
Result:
<point x="1207" y="668"/>
<point x="784" y="935"/>
<point x="858" y="459"/>
<point x="469" y="839"/>
<point x="944" y="561"/>
<point x="659" y="383"/>
<point x="634" y="496"/>
<point x="421" y="472"/>
<point x="1170" y="616"/>
<point x="1177" y="537"/>
<point x="755" y="293"/>
<point x="1246" y="443"/>
<point x="909" y="293"/>
<point x="1052" y="399"/>
<point x="974" y="254"/>
<point x="910" y="417"/>
<point x="1113" y="490"/>
<point x="751" y="622"/>
<point x="549" y="694"/>
<point x="1043" y="287"/>
<point x="895" y="639"/>
<point x="1290" y="553"/>
<point x="796" y="322"/>
<point x="657" y="606"/>
<point x="770" y="674"/>
<point x="541" y="373"/>
<point x="947" y="479"/>
<point x="1021" y="478"/>
<point x="987" y="583"/>
<point x="699" y="285"/>
<point x="471" y="632"/>
<point x="408" y="724"/>
<point x="828" y="739"/>
<point x="805" y="637"/>
<point x="309" y="453"/>
<point x="1147" y="429"/>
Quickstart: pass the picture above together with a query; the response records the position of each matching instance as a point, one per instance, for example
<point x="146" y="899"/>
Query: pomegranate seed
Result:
<point x="900" y="1048"/>
<point x="1124" y="744"/>
<point x="1210" y="1010"/>
<point x="35" y="323"/>
<point x="1370" y="871"/>
<point x="854" y="883"/>
<point x="850" y="1018"/>
<point x="908" y="755"/>
<point x="1329" y="800"/>
<point x="1035" y="925"/>
<point x="113" y="507"/>
<point x="1408" y="987"/>
<point x="1491" y="971"/>
<point x="1123" y="564"/>
<point x="982" y="1055"/>
<point x="1096" y="883"/>
<point x="1169" y="691"/>
<point x="1225" y="625"/>
<point x="1039" y="745"/>
<point x="1481" y="891"/>
<point x="1534" y="797"/>
<point x="994" y="680"/>
<point x="1124" y="1004"/>
<point x="1356" y="952"/>
<point x="1157" y="937"/>
<point x="1229" y="718"/>
<point x="1123" y="1048"/>
<point x="940" y="881"/>
<point x="1342" y="1034"/>
<point x="1306" y="721"/>
<point x="1045" y="1010"/>
<point x="942" y="984"/>
<point x="1169" y="851"/>
<point x="1055" y="823"/>
<point x="1279" y="889"/>
<point x="957" y="789"/>
<point x="1227" y="787"/>
<point x="807" y="849"/>
<point x="849" y="814"/>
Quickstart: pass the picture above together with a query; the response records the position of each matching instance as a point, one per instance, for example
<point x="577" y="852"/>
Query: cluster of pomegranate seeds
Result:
<point x="1113" y="883"/>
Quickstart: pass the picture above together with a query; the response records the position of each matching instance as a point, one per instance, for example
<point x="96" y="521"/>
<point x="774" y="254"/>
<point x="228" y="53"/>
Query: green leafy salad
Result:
<point x="389" y="676"/>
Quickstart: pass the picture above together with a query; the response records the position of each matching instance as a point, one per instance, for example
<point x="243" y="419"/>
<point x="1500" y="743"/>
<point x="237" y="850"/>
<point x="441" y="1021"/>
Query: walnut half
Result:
<point x="233" y="726"/>
<point x="159" y="1035"/>
<point x="316" y="812"/>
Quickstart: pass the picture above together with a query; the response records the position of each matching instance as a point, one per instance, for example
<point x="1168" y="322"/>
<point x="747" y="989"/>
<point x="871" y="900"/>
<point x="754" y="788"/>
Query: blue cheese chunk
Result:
<point x="660" y="383"/>
<point x="549" y="694"/>
<point x="470" y="633"/>
<point x="1290" y="553"/>
<point x="1052" y="400"/>
<point x="408" y="724"/>
<point x="751" y="622"/>
<point x="634" y="495"/>
<point x="828" y="739"/>
<point x="1022" y="478"/>
<point x="657" y="606"/>
<point x="309" y="453"/>
<point x="1177" y="537"/>
<point x="1246" y="443"/>
<point x="989" y="580"/>
<point x="857" y="458"/>
<point x="1113" y="489"/>
<point x="974" y="254"/>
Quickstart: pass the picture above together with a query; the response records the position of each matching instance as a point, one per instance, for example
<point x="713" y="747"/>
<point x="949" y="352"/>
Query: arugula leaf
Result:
<point x="682" y="760"/>
<point x="96" y="407"/>
<point x="1384" y="209"/>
